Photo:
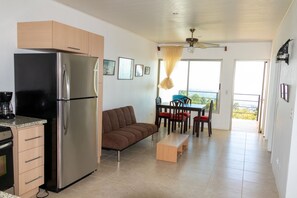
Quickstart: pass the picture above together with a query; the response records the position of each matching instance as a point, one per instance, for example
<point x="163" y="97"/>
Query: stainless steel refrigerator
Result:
<point x="61" y="88"/>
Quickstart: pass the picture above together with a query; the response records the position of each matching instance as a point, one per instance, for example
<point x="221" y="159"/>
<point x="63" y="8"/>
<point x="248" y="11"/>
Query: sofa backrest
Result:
<point x="114" y="119"/>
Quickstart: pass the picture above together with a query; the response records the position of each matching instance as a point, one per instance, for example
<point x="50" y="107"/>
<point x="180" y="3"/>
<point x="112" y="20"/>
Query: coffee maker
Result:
<point x="6" y="111"/>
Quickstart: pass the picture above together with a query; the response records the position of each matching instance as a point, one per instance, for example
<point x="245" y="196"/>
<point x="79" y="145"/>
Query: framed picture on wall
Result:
<point x="125" y="68"/>
<point x="138" y="70"/>
<point x="108" y="67"/>
<point x="284" y="91"/>
<point x="147" y="70"/>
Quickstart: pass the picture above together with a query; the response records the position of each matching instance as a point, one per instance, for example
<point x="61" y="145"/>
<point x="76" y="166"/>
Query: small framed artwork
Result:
<point x="284" y="91"/>
<point x="108" y="67"/>
<point x="147" y="70"/>
<point x="125" y="68"/>
<point x="138" y="70"/>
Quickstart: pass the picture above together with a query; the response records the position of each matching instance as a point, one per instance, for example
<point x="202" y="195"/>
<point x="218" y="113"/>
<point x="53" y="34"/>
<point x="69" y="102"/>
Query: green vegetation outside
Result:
<point x="244" y="113"/>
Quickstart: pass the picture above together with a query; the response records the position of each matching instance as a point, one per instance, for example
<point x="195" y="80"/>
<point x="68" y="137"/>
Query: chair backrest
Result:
<point x="210" y="110"/>
<point x="158" y="100"/>
<point x="176" y="112"/>
<point x="178" y="97"/>
<point x="187" y="100"/>
<point x="182" y="98"/>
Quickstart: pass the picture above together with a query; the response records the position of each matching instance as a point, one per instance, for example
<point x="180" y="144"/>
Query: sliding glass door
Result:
<point x="179" y="77"/>
<point x="197" y="79"/>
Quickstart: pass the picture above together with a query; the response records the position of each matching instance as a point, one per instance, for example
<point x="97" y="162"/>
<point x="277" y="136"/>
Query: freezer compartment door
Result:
<point x="77" y="140"/>
<point x="77" y="76"/>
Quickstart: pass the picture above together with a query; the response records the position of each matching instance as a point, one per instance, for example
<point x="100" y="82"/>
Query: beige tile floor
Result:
<point x="228" y="165"/>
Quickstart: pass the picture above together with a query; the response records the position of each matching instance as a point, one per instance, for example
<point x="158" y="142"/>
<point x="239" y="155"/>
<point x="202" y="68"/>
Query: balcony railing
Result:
<point x="202" y="97"/>
<point x="246" y="106"/>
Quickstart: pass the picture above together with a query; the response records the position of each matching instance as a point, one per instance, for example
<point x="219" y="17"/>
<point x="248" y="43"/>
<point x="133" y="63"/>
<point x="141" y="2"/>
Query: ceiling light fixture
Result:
<point x="192" y="41"/>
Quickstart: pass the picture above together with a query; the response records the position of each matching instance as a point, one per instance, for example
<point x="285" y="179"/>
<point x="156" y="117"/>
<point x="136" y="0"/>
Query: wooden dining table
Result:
<point x="199" y="108"/>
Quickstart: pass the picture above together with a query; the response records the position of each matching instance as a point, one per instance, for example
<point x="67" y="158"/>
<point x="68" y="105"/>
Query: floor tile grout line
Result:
<point x="242" y="181"/>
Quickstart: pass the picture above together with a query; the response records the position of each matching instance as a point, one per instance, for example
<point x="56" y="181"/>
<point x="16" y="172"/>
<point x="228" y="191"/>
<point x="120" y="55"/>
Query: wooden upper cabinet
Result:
<point x="96" y="45"/>
<point x="69" y="38"/>
<point x="35" y="35"/>
<point x="96" y="49"/>
<point x="52" y="35"/>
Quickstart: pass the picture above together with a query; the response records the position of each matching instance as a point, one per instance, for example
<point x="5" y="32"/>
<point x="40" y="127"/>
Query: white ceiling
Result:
<point x="214" y="20"/>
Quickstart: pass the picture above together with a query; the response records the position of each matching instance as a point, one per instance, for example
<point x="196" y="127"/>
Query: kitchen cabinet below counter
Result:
<point x="28" y="154"/>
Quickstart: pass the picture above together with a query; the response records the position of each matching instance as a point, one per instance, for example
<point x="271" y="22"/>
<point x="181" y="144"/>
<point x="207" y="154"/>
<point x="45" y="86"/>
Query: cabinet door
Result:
<point x="31" y="159"/>
<point x="95" y="45"/>
<point x="30" y="137"/>
<point x="35" y="35"/>
<point x="69" y="38"/>
<point x="31" y="180"/>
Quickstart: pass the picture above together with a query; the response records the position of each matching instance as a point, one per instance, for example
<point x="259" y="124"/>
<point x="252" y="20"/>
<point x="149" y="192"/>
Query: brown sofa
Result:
<point x="121" y="130"/>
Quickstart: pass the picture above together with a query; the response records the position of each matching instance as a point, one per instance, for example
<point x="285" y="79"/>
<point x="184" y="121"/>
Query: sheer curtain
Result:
<point x="171" y="56"/>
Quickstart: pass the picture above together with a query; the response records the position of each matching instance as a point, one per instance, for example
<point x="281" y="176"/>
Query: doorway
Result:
<point x="249" y="96"/>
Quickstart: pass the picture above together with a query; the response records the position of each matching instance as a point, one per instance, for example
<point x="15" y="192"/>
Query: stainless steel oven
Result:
<point x="6" y="158"/>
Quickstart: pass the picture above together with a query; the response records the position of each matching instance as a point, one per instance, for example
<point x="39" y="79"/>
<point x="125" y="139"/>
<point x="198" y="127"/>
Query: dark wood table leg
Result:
<point x="198" y="124"/>
<point x="157" y="117"/>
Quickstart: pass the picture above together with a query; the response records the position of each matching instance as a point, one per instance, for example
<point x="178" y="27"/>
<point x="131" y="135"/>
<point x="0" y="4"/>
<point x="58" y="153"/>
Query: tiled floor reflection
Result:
<point x="227" y="165"/>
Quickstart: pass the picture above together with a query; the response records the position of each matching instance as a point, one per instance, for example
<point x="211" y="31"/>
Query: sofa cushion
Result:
<point x="118" y="118"/>
<point x="106" y="122"/>
<point x="113" y="119"/>
<point x="129" y="115"/>
<point x="121" y="117"/>
<point x="116" y="140"/>
<point x="122" y="138"/>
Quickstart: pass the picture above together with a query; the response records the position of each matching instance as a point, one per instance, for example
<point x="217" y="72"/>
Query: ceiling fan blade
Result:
<point x="210" y="44"/>
<point x="172" y="44"/>
<point x="200" y="45"/>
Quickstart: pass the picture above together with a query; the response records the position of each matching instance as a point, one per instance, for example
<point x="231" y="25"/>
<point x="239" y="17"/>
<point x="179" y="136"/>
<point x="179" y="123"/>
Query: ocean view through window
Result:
<point x="197" y="79"/>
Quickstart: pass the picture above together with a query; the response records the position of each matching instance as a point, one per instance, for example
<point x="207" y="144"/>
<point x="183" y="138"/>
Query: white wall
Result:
<point x="139" y="92"/>
<point x="284" y="125"/>
<point x="236" y="51"/>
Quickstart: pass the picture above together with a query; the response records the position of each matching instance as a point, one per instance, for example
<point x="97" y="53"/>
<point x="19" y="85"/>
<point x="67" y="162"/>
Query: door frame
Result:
<point x="263" y="100"/>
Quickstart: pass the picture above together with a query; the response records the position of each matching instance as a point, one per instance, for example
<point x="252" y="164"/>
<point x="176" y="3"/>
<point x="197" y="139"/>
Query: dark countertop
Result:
<point x="6" y="195"/>
<point x="21" y="121"/>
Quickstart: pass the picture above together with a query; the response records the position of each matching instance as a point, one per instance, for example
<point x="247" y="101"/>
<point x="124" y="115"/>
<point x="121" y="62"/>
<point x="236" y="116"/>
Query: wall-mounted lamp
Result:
<point x="283" y="52"/>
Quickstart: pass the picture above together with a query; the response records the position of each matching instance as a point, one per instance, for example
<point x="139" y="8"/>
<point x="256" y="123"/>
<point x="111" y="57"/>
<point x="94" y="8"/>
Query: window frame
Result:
<point x="217" y="110"/>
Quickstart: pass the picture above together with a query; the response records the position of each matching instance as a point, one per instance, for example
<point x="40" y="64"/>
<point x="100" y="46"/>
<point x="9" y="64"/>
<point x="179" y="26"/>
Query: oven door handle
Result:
<point x="5" y="145"/>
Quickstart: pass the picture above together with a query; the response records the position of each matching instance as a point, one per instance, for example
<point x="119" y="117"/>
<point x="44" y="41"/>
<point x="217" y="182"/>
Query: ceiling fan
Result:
<point x="194" y="42"/>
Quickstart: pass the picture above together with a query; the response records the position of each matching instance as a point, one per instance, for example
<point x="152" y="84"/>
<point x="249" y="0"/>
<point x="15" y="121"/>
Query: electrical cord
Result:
<point x="38" y="196"/>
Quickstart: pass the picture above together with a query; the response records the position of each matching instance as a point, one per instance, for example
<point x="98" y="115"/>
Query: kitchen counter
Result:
<point x="6" y="195"/>
<point x="21" y="121"/>
<point x="28" y="154"/>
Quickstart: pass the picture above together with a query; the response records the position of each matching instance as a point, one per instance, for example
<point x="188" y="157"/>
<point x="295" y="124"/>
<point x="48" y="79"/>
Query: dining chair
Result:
<point x="161" y="113"/>
<point x="177" y="116"/>
<point x="185" y="100"/>
<point x="187" y="113"/>
<point x="197" y="120"/>
<point x="177" y="97"/>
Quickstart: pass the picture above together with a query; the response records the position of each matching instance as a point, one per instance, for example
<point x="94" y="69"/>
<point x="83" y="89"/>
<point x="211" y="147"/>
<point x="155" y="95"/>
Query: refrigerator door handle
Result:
<point x="96" y="77"/>
<point x="66" y="84"/>
<point x="66" y="114"/>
